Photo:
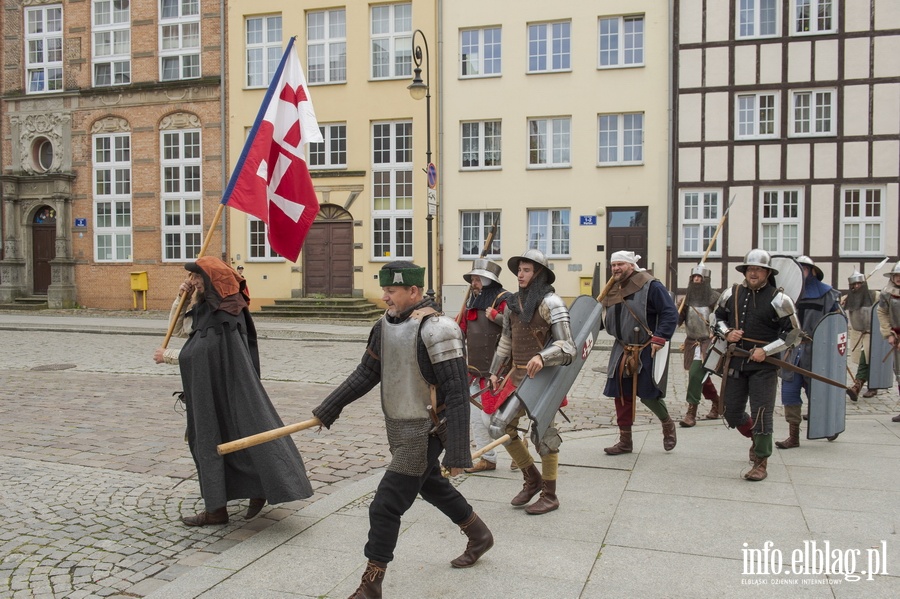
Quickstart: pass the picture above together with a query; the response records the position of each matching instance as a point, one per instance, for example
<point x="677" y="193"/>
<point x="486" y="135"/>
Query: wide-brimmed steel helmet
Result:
<point x="535" y="256"/>
<point x="757" y="257"/>
<point x="483" y="267"/>
<point x="856" y="277"/>
<point x="807" y="261"/>
<point x="894" y="271"/>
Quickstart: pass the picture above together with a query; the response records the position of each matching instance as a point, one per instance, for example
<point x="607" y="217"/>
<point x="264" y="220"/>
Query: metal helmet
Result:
<point x="483" y="267"/>
<point x="701" y="270"/>
<point x="756" y="257"/>
<point x="807" y="261"/>
<point x="856" y="277"/>
<point x="894" y="271"/>
<point x="535" y="256"/>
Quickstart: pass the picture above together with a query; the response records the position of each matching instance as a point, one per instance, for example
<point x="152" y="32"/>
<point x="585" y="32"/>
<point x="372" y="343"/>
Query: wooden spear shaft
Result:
<point x="484" y="252"/>
<point x="490" y="446"/>
<point x="264" y="437"/>
<point x="712" y="241"/>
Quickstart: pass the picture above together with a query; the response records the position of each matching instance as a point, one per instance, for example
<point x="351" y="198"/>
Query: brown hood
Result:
<point x="632" y="284"/>
<point x="225" y="288"/>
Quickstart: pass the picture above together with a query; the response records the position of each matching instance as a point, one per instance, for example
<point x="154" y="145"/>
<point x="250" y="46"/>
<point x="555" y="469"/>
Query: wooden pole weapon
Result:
<point x="484" y="252"/>
<point x="712" y="241"/>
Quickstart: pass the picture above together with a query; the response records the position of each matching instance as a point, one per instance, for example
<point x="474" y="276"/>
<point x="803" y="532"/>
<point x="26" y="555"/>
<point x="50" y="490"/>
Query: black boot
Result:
<point x="480" y="540"/>
<point x="370" y="587"/>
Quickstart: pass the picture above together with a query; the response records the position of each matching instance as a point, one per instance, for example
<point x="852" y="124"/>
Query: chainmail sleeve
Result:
<point x="361" y="381"/>
<point x="452" y="385"/>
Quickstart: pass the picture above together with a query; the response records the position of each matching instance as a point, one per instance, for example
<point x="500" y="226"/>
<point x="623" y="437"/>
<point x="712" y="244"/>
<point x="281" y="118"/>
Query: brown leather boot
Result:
<point x="370" y="587"/>
<point x="480" y="540"/>
<point x="530" y="488"/>
<point x="668" y="429"/>
<point x="256" y="506"/>
<point x="793" y="439"/>
<point x="624" y="444"/>
<point x="758" y="472"/>
<point x="547" y="502"/>
<point x="690" y="419"/>
<point x="752" y="450"/>
<point x="219" y="516"/>
<point x="857" y="387"/>
<point x="713" y="411"/>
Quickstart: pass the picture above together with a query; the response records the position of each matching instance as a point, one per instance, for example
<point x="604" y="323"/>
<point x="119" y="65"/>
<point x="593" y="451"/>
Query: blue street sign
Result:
<point x="588" y="221"/>
<point x="81" y="222"/>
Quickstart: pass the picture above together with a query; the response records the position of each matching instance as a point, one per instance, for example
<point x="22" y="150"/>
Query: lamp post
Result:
<point x="418" y="90"/>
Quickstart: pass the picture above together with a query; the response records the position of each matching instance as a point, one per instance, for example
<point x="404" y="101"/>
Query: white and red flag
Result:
<point x="271" y="180"/>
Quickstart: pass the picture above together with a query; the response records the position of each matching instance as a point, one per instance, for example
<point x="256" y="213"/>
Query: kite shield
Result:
<point x="789" y="277"/>
<point x="827" y="403"/>
<point x="880" y="356"/>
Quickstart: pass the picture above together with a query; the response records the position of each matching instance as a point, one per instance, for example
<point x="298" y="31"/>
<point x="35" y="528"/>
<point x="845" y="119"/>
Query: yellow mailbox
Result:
<point x="585" y="284"/>
<point x="138" y="284"/>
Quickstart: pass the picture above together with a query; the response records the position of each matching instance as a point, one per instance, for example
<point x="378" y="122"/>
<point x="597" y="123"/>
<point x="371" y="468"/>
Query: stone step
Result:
<point x="371" y="316"/>
<point x="27" y="303"/>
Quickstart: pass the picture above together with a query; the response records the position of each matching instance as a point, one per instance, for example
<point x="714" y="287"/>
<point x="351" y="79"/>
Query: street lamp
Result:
<point x="418" y="90"/>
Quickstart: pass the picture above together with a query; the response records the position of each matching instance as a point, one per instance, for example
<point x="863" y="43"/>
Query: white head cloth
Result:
<point x="623" y="256"/>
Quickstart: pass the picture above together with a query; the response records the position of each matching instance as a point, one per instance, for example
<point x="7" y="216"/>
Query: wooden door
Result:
<point x="43" y="250"/>
<point x="328" y="255"/>
<point x="627" y="229"/>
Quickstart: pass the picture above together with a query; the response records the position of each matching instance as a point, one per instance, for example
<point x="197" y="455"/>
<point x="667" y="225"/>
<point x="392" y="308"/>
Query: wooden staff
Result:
<point x="266" y="436"/>
<point x="484" y="252"/>
<point x="606" y="288"/>
<point x="712" y="241"/>
<point x="181" y="296"/>
<point x="490" y="446"/>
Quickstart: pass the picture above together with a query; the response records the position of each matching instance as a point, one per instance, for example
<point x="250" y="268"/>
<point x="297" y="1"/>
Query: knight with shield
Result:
<point x="858" y="304"/>
<point x="698" y="304"/>
<point x="889" y="319"/>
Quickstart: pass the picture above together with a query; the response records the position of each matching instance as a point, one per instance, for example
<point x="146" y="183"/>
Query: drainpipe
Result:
<point x="672" y="149"/>
<point x="440" y="146"/>
<point x="222" y="128"/>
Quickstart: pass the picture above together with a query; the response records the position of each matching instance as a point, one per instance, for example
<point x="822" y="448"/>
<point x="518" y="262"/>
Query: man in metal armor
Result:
<point x="816" y="300"/>
<point x="753" y="316"/>
<point x="642" y="316"/>
<point x="858" y="305"/>
<point x="416" y="354"/>
<point x="481" y="323"/>
<point x="699" y="303"/>
<point x="889" y="319"/>
<point x="535" y="334"/>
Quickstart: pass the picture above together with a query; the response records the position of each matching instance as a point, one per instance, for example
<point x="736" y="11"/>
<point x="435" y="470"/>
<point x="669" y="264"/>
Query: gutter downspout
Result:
<point x="222" y="126"/>
<point x="673" y="146"/>
<point x="439" y="109"/>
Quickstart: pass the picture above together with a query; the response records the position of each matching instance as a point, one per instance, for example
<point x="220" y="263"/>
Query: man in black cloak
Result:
<point x="226" y="400"/>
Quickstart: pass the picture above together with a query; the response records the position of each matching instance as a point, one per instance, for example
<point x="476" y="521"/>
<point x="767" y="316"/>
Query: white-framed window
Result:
<point x="757" y="18"/>
<point x="781" y="221"/>
<point x="621" y="42"/>
<point x="111" y="29"/>
<point x="480" y="52"/>
<point x="550" y="47"/>
<point x="391" y="31"/>
<point x="549" y="142"/>
<point x="862" y="221"/>
<point x="44" y="49"/>
<point x="812" y="17"/>
<point x="181" y="194"/>
<point x="392" y="191"/>
<point x="326" y="46"/>
<point x="813" y="113"/>
<point x="112" y="197"/>
<point x="264" y="36"/>
<point x="548" y="231"/>
<point x="474" y="227"/>
<point x="700" y="211"/>
<point x="480" y="145"/>
<point x="756" y="116"/>
<point x="621" y="139"/>
<point x="332" y="152"/>
<point x="179" y="39"/>
<point x="259" y="249"/>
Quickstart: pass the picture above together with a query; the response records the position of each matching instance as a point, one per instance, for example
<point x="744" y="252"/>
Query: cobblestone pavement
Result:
<point x="96" y="473"/>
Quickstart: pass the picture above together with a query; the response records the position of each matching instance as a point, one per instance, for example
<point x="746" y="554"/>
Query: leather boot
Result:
<point x="793" y="439"/>
<point x="256" y="506"/>
<point x="219" y="516"/>
<point x="896" y="418"/>
<point x="857" y="387"/>
<point x="752" y="450"/>
<point x="713" y="411"/>
<point x="690" y="419"/>
<point x="758" y="472"/>
<point x="530" y="488"/>
<point x="370" y="587"/>
<point x="480" y="540"/>
<point x="668" y="430"/>
<point x="547" y="502"/>
<point x="624" y="444"/>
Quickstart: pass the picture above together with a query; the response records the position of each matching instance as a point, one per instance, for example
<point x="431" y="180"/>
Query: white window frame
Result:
<point x="749" y="21"/>
<point x="487" y="58"/>
<point x="332" y="150"/>
<point x="392" y="165"/>
<point x="43" y="49"/>
<point x="113" y="36"/>
<point x="550" y="229"/>
<point x="550" y="42"/>
<point x="702" y="216"/>
<point x="620" y="49"/>
<point x="326" y="42"/>
<point x="549" y="142"/>
<point x="263" y="36"/>
<point x="180" y="39"/>
<point x="258" y="248"/>
<point x="112" y="176"/>
<point x="868" y="228"/>
<point x="780" y="213"/>
<point x="816" y="27"/>
<point x="474" y="227"/>
<point x="474" y="140"/>
<point x="820" y="116"/>
<point x="621" y="140"/>
<point x="741" y="109"/>
<point x="181" y="177"/>
<point x="397" y="38"/>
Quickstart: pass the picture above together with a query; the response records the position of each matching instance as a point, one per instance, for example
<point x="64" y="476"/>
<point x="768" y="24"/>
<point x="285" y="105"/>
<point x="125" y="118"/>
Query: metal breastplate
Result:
<point x="860" y="319"/>
<point x="481" y="342"/>
<point x="696" y="322"/>
<point x="893" y="305"/>
<point x="405" y="395"/>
